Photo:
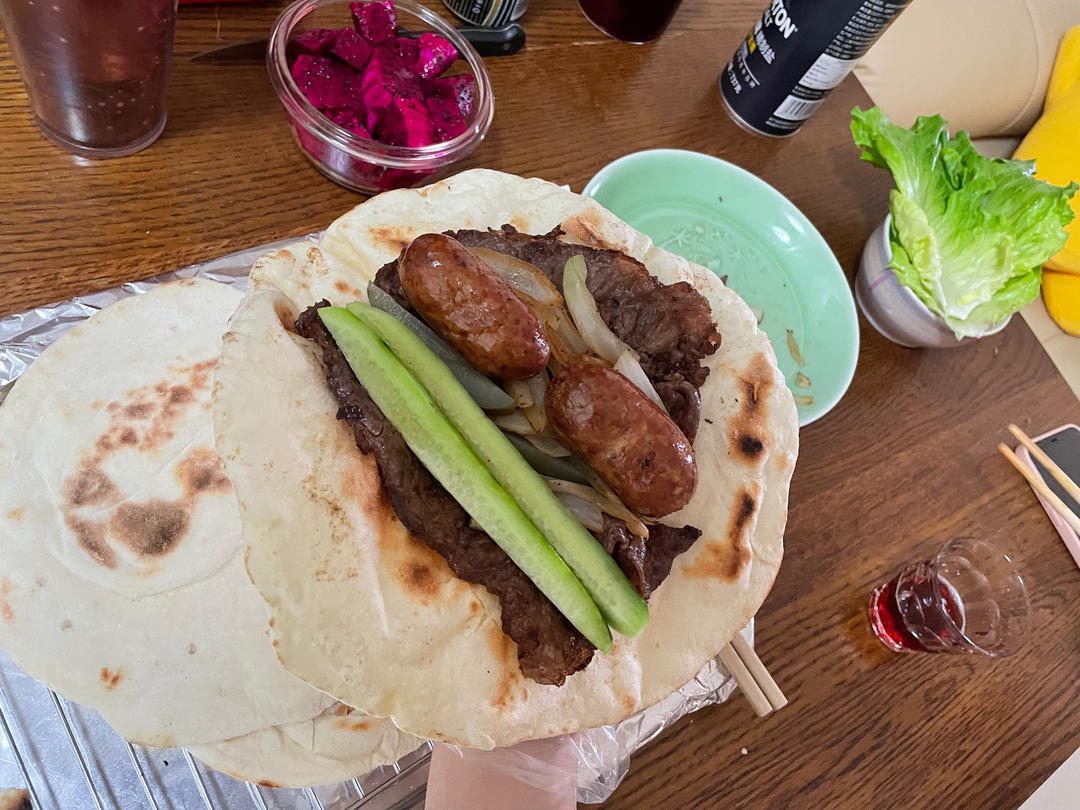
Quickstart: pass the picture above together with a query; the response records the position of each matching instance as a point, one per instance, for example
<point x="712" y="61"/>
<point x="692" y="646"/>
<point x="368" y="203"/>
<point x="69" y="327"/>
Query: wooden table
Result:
<point x="905" y="462"/>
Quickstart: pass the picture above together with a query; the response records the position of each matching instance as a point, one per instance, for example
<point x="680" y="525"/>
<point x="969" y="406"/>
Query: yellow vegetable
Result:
<point x="1061" y="293"/>
<point x="1054" y="143"/>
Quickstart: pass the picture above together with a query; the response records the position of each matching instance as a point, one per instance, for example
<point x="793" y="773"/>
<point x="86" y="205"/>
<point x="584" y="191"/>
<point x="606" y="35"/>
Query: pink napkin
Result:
<point x="533" y="775"/>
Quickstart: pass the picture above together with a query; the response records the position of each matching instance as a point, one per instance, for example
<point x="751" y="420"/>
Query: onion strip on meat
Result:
<point x="520" y="391"/>
<point x="547" y="445"/>
<point x="514" y="422"/>
<point x="535" y="413"/>
<point x="588" y="513"/>
<point x="630" y="367"/>
<point x="521" y="275"/>
<point x="611" y="506"/>
<point x="586" y="314"/>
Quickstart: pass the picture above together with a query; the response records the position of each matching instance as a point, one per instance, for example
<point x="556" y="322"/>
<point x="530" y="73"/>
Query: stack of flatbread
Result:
<point x="192" y="544"/>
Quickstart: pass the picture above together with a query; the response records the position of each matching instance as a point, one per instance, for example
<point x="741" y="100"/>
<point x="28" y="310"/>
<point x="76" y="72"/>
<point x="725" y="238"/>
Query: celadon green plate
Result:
<point x="724" y="218"/>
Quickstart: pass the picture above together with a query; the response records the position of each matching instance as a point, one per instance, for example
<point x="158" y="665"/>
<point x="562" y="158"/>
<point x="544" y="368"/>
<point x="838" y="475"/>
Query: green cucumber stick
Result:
<point x="445" y="454"/>
<point x="617" y="599"/>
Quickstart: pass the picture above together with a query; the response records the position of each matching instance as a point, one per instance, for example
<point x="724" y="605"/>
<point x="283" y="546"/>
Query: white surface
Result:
<point x="1060" y="790"/>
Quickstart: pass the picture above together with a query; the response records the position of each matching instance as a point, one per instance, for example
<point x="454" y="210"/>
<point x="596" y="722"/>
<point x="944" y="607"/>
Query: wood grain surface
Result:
<point x="904" y="463"/>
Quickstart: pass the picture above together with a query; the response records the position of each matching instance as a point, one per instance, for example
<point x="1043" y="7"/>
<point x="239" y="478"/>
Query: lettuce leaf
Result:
<point x="969" y="234"/>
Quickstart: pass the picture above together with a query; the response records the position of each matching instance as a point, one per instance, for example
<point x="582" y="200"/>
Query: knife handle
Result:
<point x="495" y="41"/>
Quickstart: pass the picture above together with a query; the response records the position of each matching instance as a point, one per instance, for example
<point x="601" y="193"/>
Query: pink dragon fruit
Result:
<point x="375" y="20"/>
<point x="446" y="118"/>
<point x="317" y="41"/>
<point x="406" y="122"/>
<point x="352" y="120"/>
<point x="325" y="82"/>
<point x="436" y="55"/>
<point x="386" y="78"/>
<point x="352" y="48"/>
<point x="462" y="89"/>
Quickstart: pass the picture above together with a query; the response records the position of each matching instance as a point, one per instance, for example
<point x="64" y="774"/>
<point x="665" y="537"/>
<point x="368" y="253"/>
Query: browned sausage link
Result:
<point x="473" y="308"/>
<point x="624" y="436"/>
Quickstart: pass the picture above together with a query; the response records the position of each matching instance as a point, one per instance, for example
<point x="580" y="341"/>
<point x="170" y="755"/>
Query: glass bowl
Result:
<point x="357" y="163"/>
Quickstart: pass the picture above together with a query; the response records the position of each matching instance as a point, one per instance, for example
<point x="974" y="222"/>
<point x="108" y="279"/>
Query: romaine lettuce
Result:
<point x="969" y="234"/>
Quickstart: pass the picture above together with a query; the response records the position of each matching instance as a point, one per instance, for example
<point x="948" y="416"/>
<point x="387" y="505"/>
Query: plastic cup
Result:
<point x="969" y="598"/>
<point x="95" y="70"/>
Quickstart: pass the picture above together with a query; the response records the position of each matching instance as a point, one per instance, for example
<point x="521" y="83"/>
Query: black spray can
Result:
<point x="796" y="53"/>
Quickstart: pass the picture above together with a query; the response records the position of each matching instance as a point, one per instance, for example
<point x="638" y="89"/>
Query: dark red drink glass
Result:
<point x="636" y="21"/>
<point x="95" y="70"/>
<point x="968" y="599"/>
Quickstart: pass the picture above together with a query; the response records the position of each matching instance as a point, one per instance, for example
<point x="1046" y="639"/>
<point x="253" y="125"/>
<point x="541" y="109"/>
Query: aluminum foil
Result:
<point x="604" y="753"/>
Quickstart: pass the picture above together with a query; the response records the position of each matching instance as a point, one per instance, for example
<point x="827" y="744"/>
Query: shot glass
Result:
<point x="969" y="598"/>
<point x="95" y="70"/>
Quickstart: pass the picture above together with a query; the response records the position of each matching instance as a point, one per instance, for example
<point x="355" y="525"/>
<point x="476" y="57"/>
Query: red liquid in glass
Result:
<point x="95" y="70"/>
<point x="939" y="616"/>
<point x="630" y="20"/>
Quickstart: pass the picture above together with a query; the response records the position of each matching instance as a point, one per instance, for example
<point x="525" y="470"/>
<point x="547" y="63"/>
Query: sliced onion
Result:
<point x="520" y="391"/>
<point x="588" y="514"/>
<point x="566" y="467"/>
<point x="630" y="367"/>
<point x="521" y="275"/>
<point x="585" y="313"/>
<point x="514" y="422"/>
<point x="547" y="445"/>
<point x="535" y="413"/>
<point x="611" y="506"/>
<point x="486" y="393"/>
<point x="566" y="344"/>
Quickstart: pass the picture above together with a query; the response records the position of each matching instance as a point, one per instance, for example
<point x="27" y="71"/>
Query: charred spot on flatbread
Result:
<point x="726" y="558"/>
<point x="90" y="536"/>
<point x="89" y="486"/>
<point x="748" y="426"/>
<point x="201" y="471"/>
<point x="392" y="239"/>
<point x="7" y="613"/>
<point x="510" y="683"/>
<point x="110" y="678"/>
<point x="152" y="528"/>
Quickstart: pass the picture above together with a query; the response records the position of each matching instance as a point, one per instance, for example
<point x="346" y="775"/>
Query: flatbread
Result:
<point x="368" y="613"/>
<point x="122" y="583"/>
<point x="339" y="744"/>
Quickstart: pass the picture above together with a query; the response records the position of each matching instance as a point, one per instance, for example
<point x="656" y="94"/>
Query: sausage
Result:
<point x="473" y="308"/>
<point x="624" y="436"/>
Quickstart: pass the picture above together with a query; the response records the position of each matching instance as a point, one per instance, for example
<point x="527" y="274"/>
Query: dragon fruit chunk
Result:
<point x="325" y="82"/>
<point x="407" y="49"/>
<point x="385" y="79"/>
<point x="352" y="49"/>
<point x="436" y="55"/>
<point x="462" y="89"/>
<point x="406" y="122"/>
<point x="374" y="20"/>
<point x="318" y="41"/>
<point x="351" y="120"/>
<point x="446" y="118"/>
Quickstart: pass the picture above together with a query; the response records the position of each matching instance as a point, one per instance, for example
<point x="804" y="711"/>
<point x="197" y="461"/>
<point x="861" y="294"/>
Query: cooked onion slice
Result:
<point x="585" y="313"/>
<point x="547" y="445"/>
<point x="588" y="513"/>
<point x="611" y="506"/>
<point x="535" y="413"/>
<point x="629" y="366"/>
<point x="521" y="275"/>
<point x="514" y="423"/>
<point x="520" y="391"/>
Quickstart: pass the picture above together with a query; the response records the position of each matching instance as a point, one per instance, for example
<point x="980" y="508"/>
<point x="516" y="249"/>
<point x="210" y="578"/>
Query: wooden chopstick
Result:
<point x="1040" y="486"/>
<point x="747" y="685"/>
<point x="760" y="674"/>
<point x="1067" y="483"/>
<point x="754" y="681"/>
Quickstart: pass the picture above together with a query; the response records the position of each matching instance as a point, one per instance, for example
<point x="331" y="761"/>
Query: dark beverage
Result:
<point x="636" y="21"/>
<point x="795" y="55"/>
<point x="95" y="70"/>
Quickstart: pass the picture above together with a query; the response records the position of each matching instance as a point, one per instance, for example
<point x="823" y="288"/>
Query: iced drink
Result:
<point x="95" y="70"/>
